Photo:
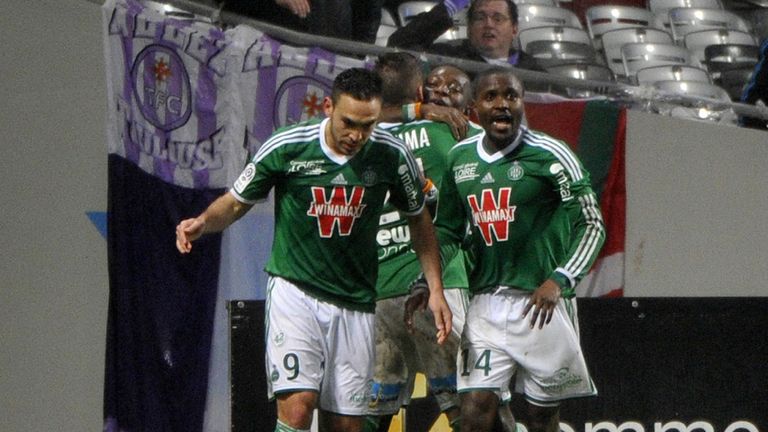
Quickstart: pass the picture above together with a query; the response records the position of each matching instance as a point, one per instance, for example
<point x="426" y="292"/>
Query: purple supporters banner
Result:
<point x="173" y="105"/>
<point x="175" y="135"/>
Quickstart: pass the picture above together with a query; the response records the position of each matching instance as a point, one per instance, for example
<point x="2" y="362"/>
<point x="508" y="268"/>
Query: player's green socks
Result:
<point x="455" y="424"/>
<point x="282" y="427"/>
<point x="371" y="424"/>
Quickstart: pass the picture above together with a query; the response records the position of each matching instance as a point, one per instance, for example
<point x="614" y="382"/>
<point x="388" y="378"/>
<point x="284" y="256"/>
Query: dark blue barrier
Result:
<point x="660" y="365"/>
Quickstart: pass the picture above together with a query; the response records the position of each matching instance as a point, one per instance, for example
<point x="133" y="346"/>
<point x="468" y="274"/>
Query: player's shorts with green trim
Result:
<point x="313" y="345"/>
<point x="498" y="343"/>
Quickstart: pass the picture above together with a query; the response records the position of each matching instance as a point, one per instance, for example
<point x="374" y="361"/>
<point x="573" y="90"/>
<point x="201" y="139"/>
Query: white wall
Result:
<point x="53" y="271"/>
<point x="696" y="211"/>
<point x="697" y="207"/>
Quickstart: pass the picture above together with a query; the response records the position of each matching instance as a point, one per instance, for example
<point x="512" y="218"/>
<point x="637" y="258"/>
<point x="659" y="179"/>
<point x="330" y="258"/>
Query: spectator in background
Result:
<point x="491" y="31"/>
<point x="756" y="91"/>
<point x="356" y="20"/>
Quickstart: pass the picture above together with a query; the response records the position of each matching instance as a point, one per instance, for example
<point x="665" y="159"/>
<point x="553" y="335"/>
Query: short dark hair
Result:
<point x="401" y="76"/>
<point x="359" y="83"/>
<point x="493" y="70"/>
<point x="511" y="7"/>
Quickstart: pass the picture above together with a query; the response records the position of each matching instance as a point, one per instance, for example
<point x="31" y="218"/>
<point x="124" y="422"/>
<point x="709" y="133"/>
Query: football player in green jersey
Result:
<point x="536" y="230"/>
<point x="330" y="178"/>
<point x="448" y="86"/>
<point x="449" y="110"/>
<point x="401" y="351"/>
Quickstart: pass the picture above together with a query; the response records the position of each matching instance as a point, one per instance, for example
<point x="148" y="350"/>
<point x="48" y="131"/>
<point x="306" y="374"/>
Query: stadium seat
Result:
<point x="386" y="27"/>
<point x="650" y="75"/>
<point x="723" y="57"/>
<point x="604" y="18"/>
<point x="663" y="6"/>
<point x="615" y="39"/>
<point x="636" y="56"/>
<point x="409" y="9"/>
<point x="688" y="20"/>
<point x="553" y="33"/>
<point x="534" y="15"/>
<point x="582" y="71"/>
<point x="550" y="53"/>
<point x="696" y="42"/>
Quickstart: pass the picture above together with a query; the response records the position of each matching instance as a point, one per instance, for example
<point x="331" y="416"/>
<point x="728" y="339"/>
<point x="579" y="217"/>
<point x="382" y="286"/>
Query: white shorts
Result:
<point x="400" y="355"/>
<point x="498" y="342"/>
<point x="458" y="301"/>
<point x="314" y="345"/>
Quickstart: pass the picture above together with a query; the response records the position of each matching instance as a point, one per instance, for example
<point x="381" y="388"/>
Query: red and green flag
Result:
<point x="596" y="131"/>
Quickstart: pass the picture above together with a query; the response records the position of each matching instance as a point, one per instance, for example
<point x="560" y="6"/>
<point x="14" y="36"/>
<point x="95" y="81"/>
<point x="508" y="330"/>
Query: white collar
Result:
<point x="332" y="155"/>
<point x="493" y="157"/>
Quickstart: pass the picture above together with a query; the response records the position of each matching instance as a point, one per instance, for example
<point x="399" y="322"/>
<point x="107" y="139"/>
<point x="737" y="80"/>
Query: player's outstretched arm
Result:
<point x="218" y="216"/>
<point x="425" y="244"/>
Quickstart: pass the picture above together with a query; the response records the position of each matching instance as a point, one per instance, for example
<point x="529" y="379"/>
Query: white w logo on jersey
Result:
<point x="492" y="216"/>
<point x="338" y="211"/>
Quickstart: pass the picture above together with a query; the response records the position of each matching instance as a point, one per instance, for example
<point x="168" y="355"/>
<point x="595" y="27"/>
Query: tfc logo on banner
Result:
<point x="173" y="106"/>
<point x="283" y="84"/>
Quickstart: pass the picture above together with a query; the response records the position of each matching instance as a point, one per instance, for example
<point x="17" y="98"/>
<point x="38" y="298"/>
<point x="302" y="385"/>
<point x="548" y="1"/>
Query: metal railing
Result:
<point x="638" y="97"/>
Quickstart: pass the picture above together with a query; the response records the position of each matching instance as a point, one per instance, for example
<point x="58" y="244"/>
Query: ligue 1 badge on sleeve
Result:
<point x="515" y="172"/>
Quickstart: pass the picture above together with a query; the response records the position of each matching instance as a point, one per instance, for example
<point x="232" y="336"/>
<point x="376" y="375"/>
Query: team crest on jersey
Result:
<point x="515" y="172"/>
<point x="161" y="87"/>
<point x="369" y="177"/>
<point x="492" y="214"/>
<point x="279" y="338"/>
<point x="338" y="211"/>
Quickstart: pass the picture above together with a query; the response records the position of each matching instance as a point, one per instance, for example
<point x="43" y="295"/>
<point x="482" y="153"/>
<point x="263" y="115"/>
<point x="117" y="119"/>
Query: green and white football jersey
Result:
<point x="531" y="208"/>
<point x="430" y="143"/>
<point x="327" y="207"/>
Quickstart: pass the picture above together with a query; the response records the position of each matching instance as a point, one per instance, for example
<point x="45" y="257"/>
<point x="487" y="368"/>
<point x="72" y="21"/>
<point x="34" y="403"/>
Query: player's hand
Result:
<point x="416" y="301"/>
<point x="543" y="302"/>
<point x="297" y="7"/>
<point x="443" y="316"/>
<point x="451" y="116"/>
<point x="188" y="231"/>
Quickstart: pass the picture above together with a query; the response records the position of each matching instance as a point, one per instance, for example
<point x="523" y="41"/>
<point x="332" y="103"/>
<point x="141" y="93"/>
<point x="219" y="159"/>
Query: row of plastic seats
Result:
<point x="642" y="63"/>
<point x="556" y="37"/>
